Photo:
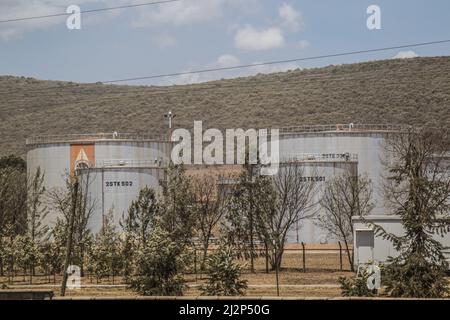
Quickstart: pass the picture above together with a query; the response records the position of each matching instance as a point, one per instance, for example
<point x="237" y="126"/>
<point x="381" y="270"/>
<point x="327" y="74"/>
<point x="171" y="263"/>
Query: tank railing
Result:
<point x="342" y="128"/>
<point x="95" y="137"/>
<point x="157" y="162"/>
<point x="302" y="157"/>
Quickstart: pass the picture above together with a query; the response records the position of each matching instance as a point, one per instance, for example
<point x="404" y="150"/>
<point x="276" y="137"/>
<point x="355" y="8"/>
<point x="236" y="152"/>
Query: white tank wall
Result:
<point x="115" y="188"/>
<point x="54" y="161"/>
<point x="368" y="146"/>
<point x="307" y="231"/>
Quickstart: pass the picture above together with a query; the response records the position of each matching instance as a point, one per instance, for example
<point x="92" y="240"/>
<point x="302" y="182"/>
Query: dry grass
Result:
<point x="411" y="91"/>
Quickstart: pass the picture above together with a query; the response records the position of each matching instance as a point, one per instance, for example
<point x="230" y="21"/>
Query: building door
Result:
<point x="364" y="246"/>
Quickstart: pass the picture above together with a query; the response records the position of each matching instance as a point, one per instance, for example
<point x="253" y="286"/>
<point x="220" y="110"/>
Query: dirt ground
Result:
<point x="319" y="280"/>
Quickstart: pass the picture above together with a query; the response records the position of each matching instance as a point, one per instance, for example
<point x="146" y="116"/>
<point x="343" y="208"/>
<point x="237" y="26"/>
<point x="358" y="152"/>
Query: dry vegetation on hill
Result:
<point x="410" y="91"/>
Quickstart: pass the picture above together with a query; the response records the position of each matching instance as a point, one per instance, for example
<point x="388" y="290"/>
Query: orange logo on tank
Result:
<point x="81" y="156"/>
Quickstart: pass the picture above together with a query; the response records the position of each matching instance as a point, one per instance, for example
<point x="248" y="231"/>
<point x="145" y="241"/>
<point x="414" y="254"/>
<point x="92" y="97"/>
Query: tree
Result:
<point x="75" y="209"/>
<point x="343" y="197"/>
<point x="141" y="215"/>
<point x="224" y="274"/>
<point x="241" y="214"/>
<point x="177" y="216"/>
<point x="104" y="256"/>
<point x="36" y="212"/>
<point x="13" y="162"/>
<point x="285" y="201"/>
<point x="159" y="265"/>
<point x="418" y="190"/>
<point x="13" y="207"/>
<point x="210" y="206"/>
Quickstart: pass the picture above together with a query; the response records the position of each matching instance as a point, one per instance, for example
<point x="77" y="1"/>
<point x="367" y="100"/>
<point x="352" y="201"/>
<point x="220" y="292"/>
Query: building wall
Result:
<point x="382" y="248"/>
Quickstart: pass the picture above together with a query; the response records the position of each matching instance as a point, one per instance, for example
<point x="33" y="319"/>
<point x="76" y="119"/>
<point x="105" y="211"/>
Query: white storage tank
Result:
<point x="118" y="166"/>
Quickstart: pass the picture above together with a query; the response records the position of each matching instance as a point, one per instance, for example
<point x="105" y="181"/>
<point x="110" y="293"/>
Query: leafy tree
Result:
<point x="210" y="206"/>
<point x="178" y="215"/>
<point x="141" y="216"/>
<point x="37" y="211"/>
<point x="104" y="255"/>
<point x="159" y="265"/>
<point x="26" y="254"/>
<point x="344" y="197"/>
<point x="13" y="162"/>
<point x="418" y="190"/>
<point x="240" y="226"/>
<point x="224" y="274"/>
<point x="13" y="204"/>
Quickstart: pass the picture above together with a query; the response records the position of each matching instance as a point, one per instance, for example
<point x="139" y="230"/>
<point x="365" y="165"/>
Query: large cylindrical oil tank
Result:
<point x="116" y="165"/>
<point x="366" y="141"/>
<point x="317" y="170"/>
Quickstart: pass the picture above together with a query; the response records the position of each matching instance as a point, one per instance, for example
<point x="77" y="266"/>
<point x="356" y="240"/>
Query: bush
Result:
<point x="158" y="267"/>
<point x="356" y="286"/>
<point x="224" y="273"/>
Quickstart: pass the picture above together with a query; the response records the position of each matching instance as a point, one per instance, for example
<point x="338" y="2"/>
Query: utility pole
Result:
<point x="170" y="115"/>
<point x="69" y="245"/>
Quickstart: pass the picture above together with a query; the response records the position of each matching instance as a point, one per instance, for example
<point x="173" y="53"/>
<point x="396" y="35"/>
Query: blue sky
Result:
<point x="197" y="34"/>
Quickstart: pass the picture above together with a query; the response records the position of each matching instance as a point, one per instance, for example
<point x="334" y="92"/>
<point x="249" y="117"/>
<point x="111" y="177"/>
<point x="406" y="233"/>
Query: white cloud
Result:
<point x="292" y="19"/>
<point x="303" y="44"/>
<point x="164" y="41"/>
<point x="251" y="39"/>
<point x="405" y="55"/>
<point x="180" y="13"/>
<point x="225" y="61"/>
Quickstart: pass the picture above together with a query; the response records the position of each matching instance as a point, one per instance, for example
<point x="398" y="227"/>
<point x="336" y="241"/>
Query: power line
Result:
<point x="90" y="11"/>
<point x="278" y="62"/>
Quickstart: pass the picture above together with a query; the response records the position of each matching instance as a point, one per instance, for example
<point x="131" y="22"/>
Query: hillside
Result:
<point x="410" y="91"/>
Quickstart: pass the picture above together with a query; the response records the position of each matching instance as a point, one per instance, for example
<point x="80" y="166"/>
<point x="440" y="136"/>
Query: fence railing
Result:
<point x="95" y="137"/>
<point x="158" y="162"/>
<point x="342" y="128"/>
<point x="318" y="157"/>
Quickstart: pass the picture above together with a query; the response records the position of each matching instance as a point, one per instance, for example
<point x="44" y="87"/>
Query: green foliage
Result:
<point x="141" y="215"/>
<point x="224" y="274"/>
<point x="178" y="214"/>
<point x="104" y="256"/>
<point x="14" y="162"/>
<point x="158" y="266"/>
<point x="418" y="189"/>
<point x="415" y="277"/>
<point x="356" y="286"/>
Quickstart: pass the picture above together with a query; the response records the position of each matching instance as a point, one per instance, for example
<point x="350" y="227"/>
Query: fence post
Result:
<point x="340" y="255"/>
<point x="304" y="257"/>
